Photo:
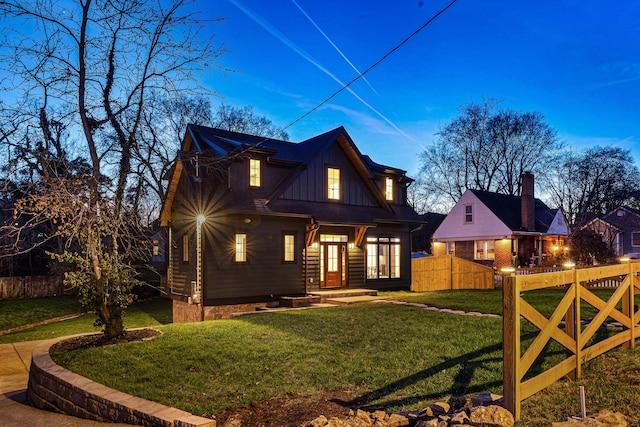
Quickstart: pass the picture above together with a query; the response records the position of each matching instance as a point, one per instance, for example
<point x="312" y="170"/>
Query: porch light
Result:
<point x="624" y="259"/>
<point x="506" y="270"/>
<point x="200" y="219"/>
<point x="569" y="264"/>
<point x="352" y="245"/>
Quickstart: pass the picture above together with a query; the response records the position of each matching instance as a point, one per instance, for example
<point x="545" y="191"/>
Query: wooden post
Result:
<point x="577" y="326"/>
<point x="511" y="345"/>
<point x="628" y="308"/>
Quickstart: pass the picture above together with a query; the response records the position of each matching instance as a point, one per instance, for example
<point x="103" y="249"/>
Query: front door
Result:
<point x="334" y="264"/>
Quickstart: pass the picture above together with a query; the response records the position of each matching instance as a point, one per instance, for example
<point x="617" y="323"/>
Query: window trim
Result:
<point x="258" y="176"/>
<point x="293" y="235"/>
<point x="242" y="246"/>
<point x="485" y="249"/>
<point x="468" y="213"/>
<point x="388" y="189"/>
<point x="633" y="233"/>
<point x="331" y="190"/>
<point x="393" y="257"/>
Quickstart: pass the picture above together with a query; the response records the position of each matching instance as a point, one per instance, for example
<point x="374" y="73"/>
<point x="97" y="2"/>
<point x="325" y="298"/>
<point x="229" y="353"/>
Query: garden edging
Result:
<point x="57" y="389"/>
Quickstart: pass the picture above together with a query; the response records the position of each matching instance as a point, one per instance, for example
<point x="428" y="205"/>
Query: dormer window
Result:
<point x="254" y="173"/>
<point x="388" y="189"/>
<point x="333" y="184"/>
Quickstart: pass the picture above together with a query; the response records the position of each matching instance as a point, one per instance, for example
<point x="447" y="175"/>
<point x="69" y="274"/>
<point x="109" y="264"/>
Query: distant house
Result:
<point x="252" y="219"/>
<point x="500" y="230"/>
<point x="422" y="238"/>
<point x="620" y="230"/>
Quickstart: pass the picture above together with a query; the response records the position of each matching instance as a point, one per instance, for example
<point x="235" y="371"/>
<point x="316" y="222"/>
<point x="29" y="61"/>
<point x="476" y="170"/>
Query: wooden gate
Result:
<point x="574" y="337"/>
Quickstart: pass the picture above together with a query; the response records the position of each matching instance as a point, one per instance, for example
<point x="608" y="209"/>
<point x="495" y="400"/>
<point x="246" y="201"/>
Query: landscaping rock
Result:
<point x="490" y="416"/>
<point x="603" y="418"/>
<point x="318" y="422"/>
<point x="487" y="399"/>
<point x="233" y="421"/>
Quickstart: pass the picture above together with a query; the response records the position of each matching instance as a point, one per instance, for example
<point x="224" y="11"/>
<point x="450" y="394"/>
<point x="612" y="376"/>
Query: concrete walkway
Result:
<point x="14" y="375"/>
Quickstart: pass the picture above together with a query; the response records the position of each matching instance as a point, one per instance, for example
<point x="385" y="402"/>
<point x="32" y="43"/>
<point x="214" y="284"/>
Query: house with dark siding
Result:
<point x="251" y="220"/>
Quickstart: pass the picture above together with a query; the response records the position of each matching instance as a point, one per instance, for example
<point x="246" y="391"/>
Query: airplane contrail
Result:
<point x="334" y="45"/>
<point x="277" y="34"/>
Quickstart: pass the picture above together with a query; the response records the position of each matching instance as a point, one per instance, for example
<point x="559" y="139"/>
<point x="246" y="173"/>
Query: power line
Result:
<point x="371" y="67"/>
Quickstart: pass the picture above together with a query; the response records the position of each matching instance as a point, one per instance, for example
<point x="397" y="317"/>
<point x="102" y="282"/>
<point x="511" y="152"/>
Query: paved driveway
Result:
<point x="14" y="375"/>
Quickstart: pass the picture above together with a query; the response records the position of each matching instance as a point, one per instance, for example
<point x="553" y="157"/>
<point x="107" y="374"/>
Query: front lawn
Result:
<point x="20" y="312"/>
<point x="153" y="312"/>
<point x="390" y="356"/>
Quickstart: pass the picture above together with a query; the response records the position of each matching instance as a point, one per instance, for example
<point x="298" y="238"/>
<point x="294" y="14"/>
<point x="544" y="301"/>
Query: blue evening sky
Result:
<point x="575" y="61"/>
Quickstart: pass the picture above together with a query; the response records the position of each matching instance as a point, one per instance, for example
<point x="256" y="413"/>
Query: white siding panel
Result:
<point x="559" y="225"/>
<point x="485" y="223"/>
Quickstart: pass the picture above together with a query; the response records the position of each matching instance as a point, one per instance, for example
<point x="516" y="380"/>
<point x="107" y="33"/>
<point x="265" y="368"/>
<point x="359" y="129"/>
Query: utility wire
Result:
<point x="371" y="67"/>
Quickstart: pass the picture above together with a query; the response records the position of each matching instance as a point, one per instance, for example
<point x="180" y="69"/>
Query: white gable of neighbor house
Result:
<point x="559" y="225"/>
<point x="485" y="225"/>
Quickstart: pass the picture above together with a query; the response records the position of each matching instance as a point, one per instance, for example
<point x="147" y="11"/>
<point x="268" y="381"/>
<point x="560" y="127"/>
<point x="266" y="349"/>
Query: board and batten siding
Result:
<point x="311" y="183"/>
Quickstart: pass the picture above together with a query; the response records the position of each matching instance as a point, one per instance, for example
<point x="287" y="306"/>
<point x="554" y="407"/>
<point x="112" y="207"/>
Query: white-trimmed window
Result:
<point x="485" y="249"/>
<point x="241" y="247"/>
<point x="254" y="172"/>
<point x="289" y="248"/>
<point x="388" y="189"/>
<point x="451" y="248"/>
<point x="468" y="214"/>
<point x="333" y="183"/>
<point x="383" y="257"/>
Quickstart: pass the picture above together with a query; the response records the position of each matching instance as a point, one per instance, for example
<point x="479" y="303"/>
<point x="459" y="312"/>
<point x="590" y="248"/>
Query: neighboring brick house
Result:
<point x="620" y="230"/>
<point x="251" y="219"/>
<point x="500" y="230"/>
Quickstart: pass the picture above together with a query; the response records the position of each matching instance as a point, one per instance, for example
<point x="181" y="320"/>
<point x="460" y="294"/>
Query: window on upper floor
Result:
<point x="333" y="183"/>
<point x="254" y="173"/>
<point x="468" y="214"/>
<point x="388" y="189"/>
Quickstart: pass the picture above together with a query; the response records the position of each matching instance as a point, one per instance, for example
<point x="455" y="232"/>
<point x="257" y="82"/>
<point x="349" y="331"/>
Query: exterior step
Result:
<point x="332" y="294"/>
<point x="352" y="300"/>
<point x="295" y="302"/>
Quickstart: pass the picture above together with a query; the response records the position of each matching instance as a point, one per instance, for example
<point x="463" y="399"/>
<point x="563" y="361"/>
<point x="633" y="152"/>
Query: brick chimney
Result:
<point x="527" y="207"/>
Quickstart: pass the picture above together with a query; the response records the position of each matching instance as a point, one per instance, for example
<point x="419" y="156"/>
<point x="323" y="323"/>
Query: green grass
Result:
<point x="387" y="356"/>
<point x="20" y="312"/>
<point x="490" y="301"/>
<point x="153" y="312"/>
<point x="396" y="357"/>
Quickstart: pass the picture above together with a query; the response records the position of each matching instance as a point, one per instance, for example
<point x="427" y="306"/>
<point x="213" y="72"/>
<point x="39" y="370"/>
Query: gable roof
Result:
<point x="297" y="156"/>
<point x="623" y="218"/>
<point x="508" y="209"/>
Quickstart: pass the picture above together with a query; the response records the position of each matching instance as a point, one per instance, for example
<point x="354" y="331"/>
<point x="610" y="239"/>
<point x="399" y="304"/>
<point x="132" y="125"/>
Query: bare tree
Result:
<point x="486" y="148"/>
<point x="97" y="64"/>
<point x="596" y="180"/>
<point x="245" y="120"/>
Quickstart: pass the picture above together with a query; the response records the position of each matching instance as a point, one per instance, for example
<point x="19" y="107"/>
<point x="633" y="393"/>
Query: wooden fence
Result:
<point x="31" y="287"/>
<point x="574" y="338"/>
<point x="448" y="272"/>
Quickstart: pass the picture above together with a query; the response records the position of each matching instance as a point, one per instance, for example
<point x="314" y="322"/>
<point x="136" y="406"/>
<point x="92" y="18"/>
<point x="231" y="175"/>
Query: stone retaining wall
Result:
<point x="57" y="389"/>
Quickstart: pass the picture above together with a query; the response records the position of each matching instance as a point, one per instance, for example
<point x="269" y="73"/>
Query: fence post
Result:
<point x="628" y="308"/>
<point x="511" y="344"/>
<point x="577" y="325"/>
